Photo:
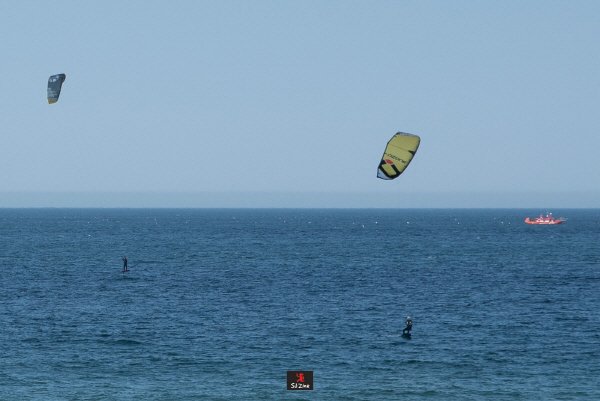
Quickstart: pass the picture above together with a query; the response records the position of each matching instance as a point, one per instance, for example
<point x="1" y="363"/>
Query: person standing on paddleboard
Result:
<point x="124" y="263"/>
<point x="408" y="327"/>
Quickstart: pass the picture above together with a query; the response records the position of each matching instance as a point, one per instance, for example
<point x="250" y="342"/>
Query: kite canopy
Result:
<point x="397" y="156"/>
<point x="54" y="86"/>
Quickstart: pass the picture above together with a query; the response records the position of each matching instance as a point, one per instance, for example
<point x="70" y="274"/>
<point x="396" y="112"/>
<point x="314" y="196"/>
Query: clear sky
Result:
<point x="300" y="98"/>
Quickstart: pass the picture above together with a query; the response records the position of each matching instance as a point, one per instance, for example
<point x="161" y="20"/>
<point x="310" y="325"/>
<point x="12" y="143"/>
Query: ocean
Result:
<point x="220" y="303"/>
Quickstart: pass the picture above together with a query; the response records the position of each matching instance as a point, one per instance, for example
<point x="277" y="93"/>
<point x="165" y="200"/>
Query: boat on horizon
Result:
<point x="549" y="219"/>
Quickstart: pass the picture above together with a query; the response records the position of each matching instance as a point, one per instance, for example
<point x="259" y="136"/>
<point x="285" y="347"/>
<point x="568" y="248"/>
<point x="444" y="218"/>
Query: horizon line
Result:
<point x="301" y="199"/>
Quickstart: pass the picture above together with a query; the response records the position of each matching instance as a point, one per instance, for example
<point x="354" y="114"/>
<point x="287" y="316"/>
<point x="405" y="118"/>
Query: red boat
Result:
<point x="549" y="219"/>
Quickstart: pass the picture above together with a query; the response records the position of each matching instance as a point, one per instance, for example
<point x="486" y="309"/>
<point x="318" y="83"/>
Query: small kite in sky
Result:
<point x="54" y="86"/>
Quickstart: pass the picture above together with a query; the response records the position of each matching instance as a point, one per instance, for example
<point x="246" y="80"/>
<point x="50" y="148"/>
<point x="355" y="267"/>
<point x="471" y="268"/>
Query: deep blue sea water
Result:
<point x="219" y="304"/>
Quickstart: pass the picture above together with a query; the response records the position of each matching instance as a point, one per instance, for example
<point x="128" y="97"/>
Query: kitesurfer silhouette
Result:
<point x="124" y="263"/>
<point x="408" y="327"/>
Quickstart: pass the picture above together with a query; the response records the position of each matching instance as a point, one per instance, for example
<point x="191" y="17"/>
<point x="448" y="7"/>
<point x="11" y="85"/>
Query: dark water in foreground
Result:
<point x="219" y="304"/>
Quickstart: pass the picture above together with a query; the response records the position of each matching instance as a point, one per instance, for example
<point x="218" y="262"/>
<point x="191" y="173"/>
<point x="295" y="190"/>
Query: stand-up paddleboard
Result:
<point x="406" y="335"/>
<point x="124" y="271"/>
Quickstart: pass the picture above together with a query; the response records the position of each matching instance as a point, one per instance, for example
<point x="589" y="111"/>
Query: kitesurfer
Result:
<point x="124" y="263"/>
<point x="408" y="327"/>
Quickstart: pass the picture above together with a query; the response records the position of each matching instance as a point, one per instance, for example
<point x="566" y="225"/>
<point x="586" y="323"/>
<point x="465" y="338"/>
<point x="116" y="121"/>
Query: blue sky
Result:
<point x="272" y="97"/>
